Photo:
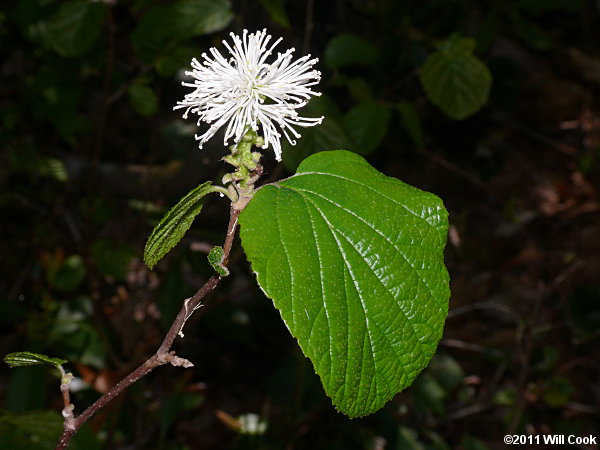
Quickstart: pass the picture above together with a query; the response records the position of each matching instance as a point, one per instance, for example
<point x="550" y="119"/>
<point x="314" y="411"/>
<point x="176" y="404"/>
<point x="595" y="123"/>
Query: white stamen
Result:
<point x="233" y="92"/>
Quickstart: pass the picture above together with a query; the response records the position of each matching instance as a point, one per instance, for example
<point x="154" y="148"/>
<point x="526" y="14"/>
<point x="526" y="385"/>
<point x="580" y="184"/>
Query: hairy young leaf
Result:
<point x="456" y="80"/>
<point x="354" y="262"/>
<point x="215" y="258"/>
<point x="20" y="359"/>
<point x="174" y="224"/>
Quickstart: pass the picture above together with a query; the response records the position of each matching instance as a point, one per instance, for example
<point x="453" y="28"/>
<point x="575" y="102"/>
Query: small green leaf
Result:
<point x="366" y="125"/>
<point x="354" y="261"/>
<point x="347" y="49"/>
<point x="74" y="28"/>
<point x="174" y="224"/>
<point x="143" y="99"/>
<point x="276" y="10"/>
<point x="411" y="122"/>
<point x="20" y="359"/>
<point x="456" y="80"/>
<point x="215" y="258"/>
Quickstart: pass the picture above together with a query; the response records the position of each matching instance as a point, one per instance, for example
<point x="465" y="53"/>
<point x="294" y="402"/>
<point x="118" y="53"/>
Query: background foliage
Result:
<point x="492" y="105"/>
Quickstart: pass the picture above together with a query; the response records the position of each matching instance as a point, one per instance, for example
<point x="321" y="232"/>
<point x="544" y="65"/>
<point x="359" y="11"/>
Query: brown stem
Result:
<point x="162" y="356"/>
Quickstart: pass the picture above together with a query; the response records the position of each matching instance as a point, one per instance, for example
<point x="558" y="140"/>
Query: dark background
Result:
<point x="92" y="155"/>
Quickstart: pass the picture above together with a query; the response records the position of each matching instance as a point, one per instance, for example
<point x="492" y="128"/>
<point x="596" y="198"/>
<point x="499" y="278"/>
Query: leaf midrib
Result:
<point x="368" y="323"/>
<point x="396" y="202"/>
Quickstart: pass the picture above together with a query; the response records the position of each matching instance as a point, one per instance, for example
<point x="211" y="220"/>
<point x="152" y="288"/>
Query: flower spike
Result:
<point x="246" y="91"/>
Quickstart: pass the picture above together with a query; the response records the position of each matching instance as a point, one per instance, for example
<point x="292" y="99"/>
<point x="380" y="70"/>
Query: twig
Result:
<point x="162" y="356"/>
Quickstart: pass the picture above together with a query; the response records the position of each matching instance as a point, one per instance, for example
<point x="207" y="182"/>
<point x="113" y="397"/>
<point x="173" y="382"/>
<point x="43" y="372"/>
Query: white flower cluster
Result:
<point x="247" y="91"/>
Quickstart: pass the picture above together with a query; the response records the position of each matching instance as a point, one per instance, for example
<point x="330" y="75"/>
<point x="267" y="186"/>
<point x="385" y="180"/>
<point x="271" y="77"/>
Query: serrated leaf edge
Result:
<point x="23" y="359"/>
<point x="153" y="251"/>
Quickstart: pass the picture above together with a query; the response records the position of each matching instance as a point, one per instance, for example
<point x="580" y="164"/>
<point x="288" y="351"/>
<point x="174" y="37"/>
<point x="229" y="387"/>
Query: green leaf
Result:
<point x="20" y="359"/>
<point x="347" y="49"/>
<point x="456" y="80"/>
<point x="354" y="261"/>
<point x="74" y="28"/>
<point x="366" y="125"/>
<point x="143" y="99"/>
<point x="165" y="24"/>
<point x="411" y="122"/>
<point x="174" y="224"/>
<point x="276" y="10"/>
<point x="215" y="258"/>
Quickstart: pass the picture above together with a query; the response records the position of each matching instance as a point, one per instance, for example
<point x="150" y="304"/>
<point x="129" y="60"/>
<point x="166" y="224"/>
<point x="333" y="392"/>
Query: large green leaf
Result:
<point x="354" y="262"/>
<point x="174" y="224"/>
<point x="456" y="80"/>
<point x="74" y="28"/>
